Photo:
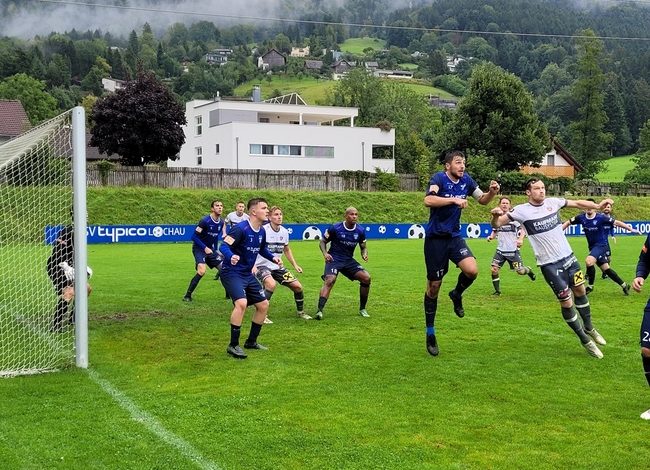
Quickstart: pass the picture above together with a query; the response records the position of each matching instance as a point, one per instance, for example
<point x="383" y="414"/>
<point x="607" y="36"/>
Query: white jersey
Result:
<point x="233" y="219"/>
<point x="275" y="241"/>
<point x="544" y="229"/>
<point x="507" y="237"/>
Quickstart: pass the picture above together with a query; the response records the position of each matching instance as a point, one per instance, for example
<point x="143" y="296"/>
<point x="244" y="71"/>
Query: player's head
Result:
<point x="258" y="209"/>
<point x="607" y="209"/>
<point x="504" y="204"/>
<point x="351" y="215"/>
<point x="240" y="207"/>
<point x="275" y="215"/>
<point x="216" y="207"/>
<point x="591" y="211"/>
<point x="535" y="190"/>
<point x="455" y="163"/>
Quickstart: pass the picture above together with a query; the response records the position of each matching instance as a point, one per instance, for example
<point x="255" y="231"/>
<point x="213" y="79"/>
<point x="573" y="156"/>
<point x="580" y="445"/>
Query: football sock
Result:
<point x="299" y="297"/>
<point x="463" y="283"/>
<point x="646" y="367"/>
<point x="591" y="275"/>
<point x="570" y="316"/>
<point x="430" y="307"/>
<point x="614" y="276"/>
<point x="584" y="309"/>
<point x="321" y="303"/>
<point x="235" y="331"/>
<point x="364" y="289"/>
<point x="255" y="332"/>
<point x="268" y="294"/>
<point x="193" y="283"/>
<point x="496" y="282"/>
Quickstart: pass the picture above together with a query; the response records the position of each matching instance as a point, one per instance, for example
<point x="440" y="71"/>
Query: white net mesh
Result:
<point x="35" y="193"/>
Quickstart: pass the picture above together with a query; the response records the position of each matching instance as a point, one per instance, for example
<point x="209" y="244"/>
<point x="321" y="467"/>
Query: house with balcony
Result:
<point x="280" y="134"/>
<point x="218" y="56"/>
<point x="557" y="162"/>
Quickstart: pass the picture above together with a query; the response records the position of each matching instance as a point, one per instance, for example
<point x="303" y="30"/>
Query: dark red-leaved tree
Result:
<point x="140" y="122"/>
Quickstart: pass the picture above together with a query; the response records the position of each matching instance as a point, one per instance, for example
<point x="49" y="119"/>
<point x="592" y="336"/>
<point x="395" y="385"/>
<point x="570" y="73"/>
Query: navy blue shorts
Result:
<point x="348" y="268"/>
<point x="439" y="251"/>
<point x="601" y="253"/>
<point x="240" y="286"/>
<point x="199" y="255"/>
<point x="645" y="327"/>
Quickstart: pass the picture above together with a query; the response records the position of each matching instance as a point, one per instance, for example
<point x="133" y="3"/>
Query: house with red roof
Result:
<point x="13" y="119"/>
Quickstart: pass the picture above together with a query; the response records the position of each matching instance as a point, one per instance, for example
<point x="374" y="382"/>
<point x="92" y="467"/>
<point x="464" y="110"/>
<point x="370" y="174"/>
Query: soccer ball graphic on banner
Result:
<point x="312" y="233"/>
<point x="473" y="230"/>
<point x="416" y="231"/>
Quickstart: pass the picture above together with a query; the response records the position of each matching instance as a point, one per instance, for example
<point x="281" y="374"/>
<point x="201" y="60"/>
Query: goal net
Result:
<point x="37" y="201"/>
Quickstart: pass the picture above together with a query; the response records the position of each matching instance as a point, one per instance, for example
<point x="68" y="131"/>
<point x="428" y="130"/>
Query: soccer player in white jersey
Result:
<point x="541" y="220"/>
<point x="236" y="216"/>
<point x="270" y="274"/>
<point x="510" y="238"/>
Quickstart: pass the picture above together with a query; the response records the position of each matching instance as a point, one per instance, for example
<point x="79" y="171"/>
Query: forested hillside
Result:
<point x="584" y="64"/>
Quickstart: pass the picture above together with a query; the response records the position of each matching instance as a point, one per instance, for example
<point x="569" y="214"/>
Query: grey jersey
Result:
<point x="275" y="241"/>
<point x="544" y="229"/>
<point x="507" y="237"/>
<point x="233" y="219"/>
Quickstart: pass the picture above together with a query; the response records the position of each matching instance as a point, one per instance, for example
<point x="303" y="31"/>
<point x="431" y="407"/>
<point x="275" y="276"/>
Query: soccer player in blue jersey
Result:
<point x="240" y="248"/>
<point x="597" y="228"/>
<point x="446" y="197"/>
<point x="607" y="210"/>
<point x="343" y="238"/>
<point x="205" y="242"/>
<point x="642" y="270"/>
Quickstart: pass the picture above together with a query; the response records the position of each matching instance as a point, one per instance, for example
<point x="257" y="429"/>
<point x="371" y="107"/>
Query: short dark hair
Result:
<point x="214" y="202"/>
<point x="449" y="156"/>
<point x="255" y="201"/>
<point x="531" y="182"/>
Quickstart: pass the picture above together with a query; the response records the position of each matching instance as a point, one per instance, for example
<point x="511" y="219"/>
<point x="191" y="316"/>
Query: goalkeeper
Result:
<point x="60" y="269"/>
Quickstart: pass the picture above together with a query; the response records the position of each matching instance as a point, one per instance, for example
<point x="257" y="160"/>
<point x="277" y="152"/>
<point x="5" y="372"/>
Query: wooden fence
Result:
<point x="241" y="179"/>
<point x="301" y="180"/>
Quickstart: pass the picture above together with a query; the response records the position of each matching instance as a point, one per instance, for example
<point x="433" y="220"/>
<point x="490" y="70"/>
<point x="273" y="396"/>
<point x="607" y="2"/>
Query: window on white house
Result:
<point x="216" y="149"/>
<point x="295" y="150"/>
<point x="264" y="119"/>
<point x="319" y="151"/>
<point x="550" y="159"/>
<point x="283" y="150"/>
<point x="199" y="155"/>
<point x="255" y="149"/>
<point x="267" y="149"/>
<point x="199" y="125"/>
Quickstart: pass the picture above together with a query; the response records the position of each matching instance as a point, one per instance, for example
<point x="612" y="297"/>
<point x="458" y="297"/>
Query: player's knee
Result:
<point x="270" y="284"/>
<point x="521" y="271"/>
<point x="296" y="287"/>
<point x="433" y="287"/>
<point x="645" y="352"/>
<point x="494" y="269"/>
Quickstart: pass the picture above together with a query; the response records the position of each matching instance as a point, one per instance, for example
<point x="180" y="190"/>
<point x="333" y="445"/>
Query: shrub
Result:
<point x="385" y="181"/>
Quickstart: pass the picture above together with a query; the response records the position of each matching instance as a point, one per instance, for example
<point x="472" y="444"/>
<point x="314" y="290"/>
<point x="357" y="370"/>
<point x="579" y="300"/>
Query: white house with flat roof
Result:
<point x="280" y="134"/>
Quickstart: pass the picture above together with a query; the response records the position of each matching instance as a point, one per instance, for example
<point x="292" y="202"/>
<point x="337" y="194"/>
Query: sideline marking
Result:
<point x="152" y="424"/>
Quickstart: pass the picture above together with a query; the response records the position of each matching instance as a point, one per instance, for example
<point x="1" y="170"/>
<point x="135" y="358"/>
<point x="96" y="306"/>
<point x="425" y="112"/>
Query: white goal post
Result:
<point x="42" y="192"/>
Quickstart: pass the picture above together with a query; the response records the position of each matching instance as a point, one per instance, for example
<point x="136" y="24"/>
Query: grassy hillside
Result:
<point x="135" y="205"/>
<point x="616" y="169"/>
<point x="357" y="45"/>
<point x="315" y="91"/>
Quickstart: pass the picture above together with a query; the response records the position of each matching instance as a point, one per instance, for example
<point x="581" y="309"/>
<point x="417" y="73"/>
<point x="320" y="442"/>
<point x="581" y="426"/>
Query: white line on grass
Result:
<point x="152" y="424"/>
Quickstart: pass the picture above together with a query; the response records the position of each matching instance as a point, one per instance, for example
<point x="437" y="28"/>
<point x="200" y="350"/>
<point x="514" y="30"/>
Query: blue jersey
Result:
<point x="207" y="233"/>
<point x="643" y="266"/>
<point x="247" y="243"/>
<point x="343" y="240"/>
<point x="444" y="222"/>
<point x="596" y="229"/>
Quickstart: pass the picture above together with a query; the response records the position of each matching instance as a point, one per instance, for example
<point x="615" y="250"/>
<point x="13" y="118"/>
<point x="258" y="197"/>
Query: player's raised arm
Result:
<point x="586" y="205"/>
<point x="625" y="226"/>
<point x="498" y="218"/>
<point x="493" y="190"/>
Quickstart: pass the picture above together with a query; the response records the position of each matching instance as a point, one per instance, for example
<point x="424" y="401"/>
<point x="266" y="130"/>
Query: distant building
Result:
<point x="392" y="73"/>
<point x="271" y="59"/>
<point x="279" y="134"/>
<point x="13" y="120"/>
<point x="556" y="163"/>
<point x="341" y="67"/>
<point x="299" y="51"/>
<point x="112" y="84"/>
<point x="217" y="56"/>
<point x="438" y="102"/>
<point x="453" y="61"/>
<point x="314" y="65"/>
<point x="372" y="65"/>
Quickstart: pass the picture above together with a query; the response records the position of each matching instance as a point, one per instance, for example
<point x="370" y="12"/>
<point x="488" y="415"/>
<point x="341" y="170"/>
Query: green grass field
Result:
<point x="616" y="169"/>
<point x="358" y="45"/>
<point x="512" y="387"/>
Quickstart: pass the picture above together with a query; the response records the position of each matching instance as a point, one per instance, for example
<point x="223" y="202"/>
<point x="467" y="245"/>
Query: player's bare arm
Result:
<point x="498" y="218"/>
<point x="625" y="226"/>
<point x="586" y="205"/>
<point x="364" y="250"/>
<point x="637" y="283"/>
<point x="289" y="254"/>
<point x="433" y="200"/>
<point x="323" y="247"/>
<point x="493" y="190"/>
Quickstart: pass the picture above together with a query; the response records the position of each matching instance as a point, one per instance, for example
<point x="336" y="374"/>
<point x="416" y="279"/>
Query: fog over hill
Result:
<point x="27" y="18"/>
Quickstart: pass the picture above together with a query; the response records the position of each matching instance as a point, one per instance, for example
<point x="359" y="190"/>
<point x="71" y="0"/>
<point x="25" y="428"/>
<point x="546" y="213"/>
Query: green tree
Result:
<point x="496" y="116"/>
<point x="617" y="125"/>
<point x="141" y="122"/>
<point x="589" y="141"/>
<point x="38" y="103"/>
